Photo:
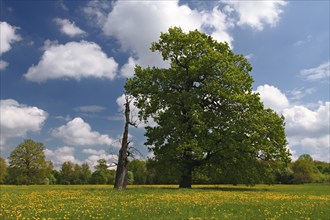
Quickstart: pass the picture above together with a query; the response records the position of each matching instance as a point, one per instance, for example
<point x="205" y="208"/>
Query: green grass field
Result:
<point x="166" y="202"/>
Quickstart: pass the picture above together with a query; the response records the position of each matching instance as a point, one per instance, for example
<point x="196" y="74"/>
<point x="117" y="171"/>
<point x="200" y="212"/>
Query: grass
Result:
<point x="166" y="202"/>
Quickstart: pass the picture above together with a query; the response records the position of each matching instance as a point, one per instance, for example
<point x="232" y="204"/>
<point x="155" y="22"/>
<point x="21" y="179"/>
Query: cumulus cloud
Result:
<point x="8" y="36"/>
<point x="90" y="109"/>
<point x="317" y="147"/>
<point x="93" y="151"/>
<point x="77" y="132"/>
<point x="128" y="69"/>
<point x="95" y="155"/>
<point x="97" y="12"/>
<point x="3" y="64"/>
<point x="257" y="14"/>
<point x="219" y="23"/>
<point x="147" y="19"/>
<point x="317" y="73"/>
<point x="74" y="60"/>
<point x="301" y="121"/>
<point x="17" y="119"/>
<point x="69" y="28"/>
<point x="153" y="17"/>
<point x="307" y="129"/>
<point x="273" y="98"/>
<point x="134" y="112"/>
<point x="61" y="155"/>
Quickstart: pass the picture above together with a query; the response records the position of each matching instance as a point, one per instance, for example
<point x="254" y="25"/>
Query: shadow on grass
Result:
<point x="239" y="188"/>
<point x="233" y="189"/>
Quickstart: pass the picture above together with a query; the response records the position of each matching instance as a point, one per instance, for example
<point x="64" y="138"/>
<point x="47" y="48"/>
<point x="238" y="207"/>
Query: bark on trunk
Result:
<point x="122" y="166"/>
<point x="186" y="177"/>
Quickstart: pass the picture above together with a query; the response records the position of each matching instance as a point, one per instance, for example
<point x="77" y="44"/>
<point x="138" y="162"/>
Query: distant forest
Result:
<point x="27" y="165"/>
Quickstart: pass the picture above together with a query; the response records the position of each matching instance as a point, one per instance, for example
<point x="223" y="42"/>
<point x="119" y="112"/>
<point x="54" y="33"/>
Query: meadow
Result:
<point x="166" y="202"/>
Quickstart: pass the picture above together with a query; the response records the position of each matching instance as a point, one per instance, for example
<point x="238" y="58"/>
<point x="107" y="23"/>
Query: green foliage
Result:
<point x="102" y="175"/>
<point x="323" y="167"/>
<point x="130" y="177"/>
<point x="3" y="170"/>
<point x="162" y="172"/>
<point x="72" y="173"/>
<point x="205" y="109"/>
<point x="139" y="170"/>
<point x="85" y="173"/>
<point x="305" y="170"/>
<point x="27" y="164"/>
<point x="284" y="176"/>
<point x="67" y="173"/>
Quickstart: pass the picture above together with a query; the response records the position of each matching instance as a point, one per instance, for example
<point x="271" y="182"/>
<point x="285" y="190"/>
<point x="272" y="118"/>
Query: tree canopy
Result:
<point x="205" y="109"/>
<point x="3" y="170"/>
<point x="27" y="164"/>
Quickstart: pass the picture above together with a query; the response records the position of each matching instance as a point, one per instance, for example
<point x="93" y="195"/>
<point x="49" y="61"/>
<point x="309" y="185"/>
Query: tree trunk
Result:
<point x="122" y="166"/>
<point x="186" y="177"/>
<point x="121" y="172"/>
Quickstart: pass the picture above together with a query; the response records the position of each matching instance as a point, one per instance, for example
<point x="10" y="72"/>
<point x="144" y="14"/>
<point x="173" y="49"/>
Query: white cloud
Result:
<point x="74" y="60"/>
<point x="257" y="14"/>
<point x="90" y="108"/>
<point x="318" y="73"/>
<point x="96" y="155"/>
<point x="111" y="160"/>
<point x="61" y="155"/>
<point x="219" y="23"/>
<point x="77" y="132"/>
<point x="148" y="19"/>
<point x="69" y="28"/>
<point x="96" y="12"/>
<point x="64" y="118"/>
<point x="303" y="122"/>
<point x="8" y="36"/>
<point x="3" y="64"/>
<point x="307" y="129"/>
<point x="93" y="151"/>
<point x="298" y="94"/>
<point x="133" y="109"/>
<point x="317" y="147"/>
<point x="128" y="69"/>
<point x="273" y="98"/>
<point x="17" y="119"/>
<point x="134" y="112"/>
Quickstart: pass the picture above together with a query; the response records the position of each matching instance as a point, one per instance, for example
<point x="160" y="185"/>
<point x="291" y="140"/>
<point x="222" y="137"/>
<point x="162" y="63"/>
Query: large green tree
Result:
<point x="85" y="174"/>
<point x="304" y="170"/>
<point x="139" y="170"/>
<point x="67" y="173"/>
<point x="3" y="170"/>
<point x="205" y="109"/>
<point x="102" y="174"/>
<point x="27" y="164"/>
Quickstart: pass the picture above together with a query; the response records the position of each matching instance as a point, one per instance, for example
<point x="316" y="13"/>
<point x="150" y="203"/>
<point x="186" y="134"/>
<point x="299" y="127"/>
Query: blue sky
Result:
<point x="64" y="63"/>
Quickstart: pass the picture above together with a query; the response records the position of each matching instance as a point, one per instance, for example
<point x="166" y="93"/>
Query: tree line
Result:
<point x="27" y="165"/>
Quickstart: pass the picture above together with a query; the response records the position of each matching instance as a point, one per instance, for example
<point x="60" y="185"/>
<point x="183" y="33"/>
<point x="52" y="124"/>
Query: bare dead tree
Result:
<point x="124" y="153"/>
